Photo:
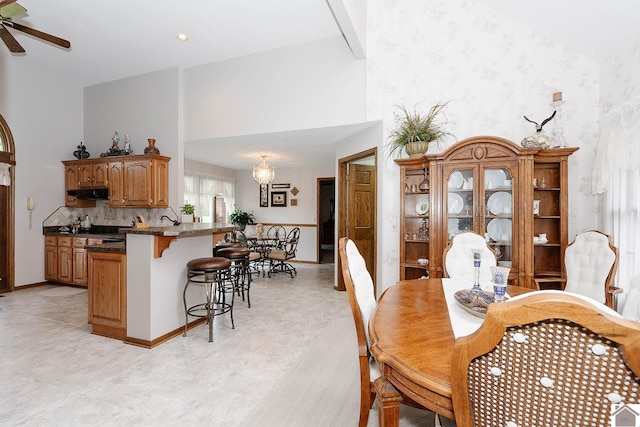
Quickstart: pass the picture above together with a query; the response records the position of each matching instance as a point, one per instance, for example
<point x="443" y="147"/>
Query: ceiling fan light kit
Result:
<point x="9" y="9"/>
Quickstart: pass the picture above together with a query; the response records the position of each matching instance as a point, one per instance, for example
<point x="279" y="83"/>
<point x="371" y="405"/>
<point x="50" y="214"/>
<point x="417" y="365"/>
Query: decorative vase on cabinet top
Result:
<point x="151" y="149"/>
<point x="416" y="148"/>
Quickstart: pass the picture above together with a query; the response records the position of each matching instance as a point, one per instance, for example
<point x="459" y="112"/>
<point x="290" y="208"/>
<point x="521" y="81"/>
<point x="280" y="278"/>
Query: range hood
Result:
<point x="90" y="194"/>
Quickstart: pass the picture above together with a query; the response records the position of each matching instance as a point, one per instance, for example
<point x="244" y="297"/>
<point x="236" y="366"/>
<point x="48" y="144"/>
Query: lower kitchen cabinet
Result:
<point x="51" y="258"/>
<point x="108" y="293"/>
<point x="65" y="259"/>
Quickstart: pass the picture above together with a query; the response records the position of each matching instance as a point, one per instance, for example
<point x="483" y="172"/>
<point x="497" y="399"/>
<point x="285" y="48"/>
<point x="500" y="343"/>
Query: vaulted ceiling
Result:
<point x="115" y="39"/>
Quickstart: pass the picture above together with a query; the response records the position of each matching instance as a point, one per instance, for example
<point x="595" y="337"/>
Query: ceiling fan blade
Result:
<point x="13" y="9"/>
<point x="3" y="3"/>
<point x="10" y="41"/>
<point x="44" y="36"/>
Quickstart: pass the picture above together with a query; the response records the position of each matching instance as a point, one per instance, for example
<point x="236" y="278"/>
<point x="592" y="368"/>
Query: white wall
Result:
<point x="307" y="86"/>
<point x="620" y="73"/>
<point x="305" y="180"/>
<point x="493" y="71"/>
<point x="146" y="106"/>
<point x="44" y="113"/>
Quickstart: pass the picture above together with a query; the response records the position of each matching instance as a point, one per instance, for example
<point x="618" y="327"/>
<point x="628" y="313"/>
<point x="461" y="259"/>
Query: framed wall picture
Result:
<point x="278" y="199"/>
<point x="280" y="186"/>
<point x="264" y="195"/>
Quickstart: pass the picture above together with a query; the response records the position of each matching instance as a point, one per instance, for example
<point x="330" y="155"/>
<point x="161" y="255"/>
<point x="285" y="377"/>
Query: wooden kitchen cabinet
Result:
<point x="66" y="259"/>
<point x="80" y="271"/>
<point x="92" y="174"/>
<point x="133" y="180"/>
<point x="139" y="181"/>
<point x="108" y="293"/>
<point x="71" y="182"/>
<point x="486" y="184"/>
<point x="51" y="258"/>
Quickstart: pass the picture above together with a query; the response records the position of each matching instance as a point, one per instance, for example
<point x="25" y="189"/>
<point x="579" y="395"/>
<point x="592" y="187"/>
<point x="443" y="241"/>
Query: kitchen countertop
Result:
<point x="117" y="247"/>
<point x="183" y="230"/>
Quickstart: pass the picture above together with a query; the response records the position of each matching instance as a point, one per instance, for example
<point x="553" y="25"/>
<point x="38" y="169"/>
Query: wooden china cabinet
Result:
<point x="488" y="185"/>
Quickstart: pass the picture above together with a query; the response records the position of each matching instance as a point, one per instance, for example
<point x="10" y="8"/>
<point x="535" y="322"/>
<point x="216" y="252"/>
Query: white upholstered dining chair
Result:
<point x="591" y="262"/>
<point x="362" y="300"/>
<point x="458" y="257"/>
<point x="546" y="358"/>
<point x="631" y="309"/>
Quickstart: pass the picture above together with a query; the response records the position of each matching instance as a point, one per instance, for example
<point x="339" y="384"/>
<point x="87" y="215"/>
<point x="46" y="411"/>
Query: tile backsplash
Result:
<point x="102" y="214"/>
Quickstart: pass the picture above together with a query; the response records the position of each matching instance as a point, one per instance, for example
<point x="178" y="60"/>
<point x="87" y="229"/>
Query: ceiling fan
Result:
<point x="9" y="9"/>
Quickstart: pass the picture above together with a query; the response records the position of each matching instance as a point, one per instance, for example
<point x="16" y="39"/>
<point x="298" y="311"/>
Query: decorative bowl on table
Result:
<point x="475" y="302"/>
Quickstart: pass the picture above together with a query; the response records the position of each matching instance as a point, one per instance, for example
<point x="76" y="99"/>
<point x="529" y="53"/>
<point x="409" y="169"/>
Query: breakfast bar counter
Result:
<point x="156" y="274"/>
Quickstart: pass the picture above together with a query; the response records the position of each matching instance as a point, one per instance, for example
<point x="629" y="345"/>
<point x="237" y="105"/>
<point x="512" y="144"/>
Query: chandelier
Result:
<point x="263" y="173"/>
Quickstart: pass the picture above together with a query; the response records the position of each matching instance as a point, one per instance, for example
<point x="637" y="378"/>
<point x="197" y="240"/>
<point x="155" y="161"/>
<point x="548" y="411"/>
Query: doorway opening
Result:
<point x="326" y="220"/>
<point x="357" y="207"/>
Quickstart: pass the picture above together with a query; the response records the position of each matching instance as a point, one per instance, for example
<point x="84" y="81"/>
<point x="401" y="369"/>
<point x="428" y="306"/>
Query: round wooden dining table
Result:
<point x="412" y="338"/>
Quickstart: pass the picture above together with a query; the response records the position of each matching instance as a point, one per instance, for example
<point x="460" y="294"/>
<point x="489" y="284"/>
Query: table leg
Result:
<point x="388" y="403"/>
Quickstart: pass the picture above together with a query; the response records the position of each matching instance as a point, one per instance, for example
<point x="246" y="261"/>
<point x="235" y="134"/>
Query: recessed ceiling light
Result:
<point x="183" y="37"/>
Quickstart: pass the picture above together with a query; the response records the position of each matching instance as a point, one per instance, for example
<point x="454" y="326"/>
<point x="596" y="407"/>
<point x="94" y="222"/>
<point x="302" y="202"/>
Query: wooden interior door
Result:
<point x="7" y="196"/>
<point x="356" y="209"/>
<point x="361" y="210"/>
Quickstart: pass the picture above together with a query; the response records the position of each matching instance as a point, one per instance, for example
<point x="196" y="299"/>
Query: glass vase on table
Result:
<point x="476" y="271"/>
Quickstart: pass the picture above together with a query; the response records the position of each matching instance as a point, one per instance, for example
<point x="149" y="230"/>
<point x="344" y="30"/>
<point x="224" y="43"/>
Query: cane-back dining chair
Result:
<point x="547" y="358"/>
<point x="458" y="257"/>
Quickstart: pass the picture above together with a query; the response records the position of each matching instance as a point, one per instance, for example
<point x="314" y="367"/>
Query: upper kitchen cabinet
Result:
<point x="92" y="175"/>
<point x="139" y="181"/>
<point x="133" y="180"/>
<point x="71" y="182"/>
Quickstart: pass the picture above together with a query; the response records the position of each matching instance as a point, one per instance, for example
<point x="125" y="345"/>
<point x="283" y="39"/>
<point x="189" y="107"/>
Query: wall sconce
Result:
<point x="31" y="205"/>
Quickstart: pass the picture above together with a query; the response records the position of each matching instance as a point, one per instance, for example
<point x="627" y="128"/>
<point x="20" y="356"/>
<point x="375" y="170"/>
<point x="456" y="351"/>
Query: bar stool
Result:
<point x="240" y="274"/>
<point x="210" y="272"/>
<point x="223" y="245"/>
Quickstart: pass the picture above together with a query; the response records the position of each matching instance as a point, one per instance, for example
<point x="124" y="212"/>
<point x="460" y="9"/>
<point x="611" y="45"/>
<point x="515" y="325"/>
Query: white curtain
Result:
<point x="616" y="175"/>
<point x="200" y="190"/>
<point x="5" y="174"/>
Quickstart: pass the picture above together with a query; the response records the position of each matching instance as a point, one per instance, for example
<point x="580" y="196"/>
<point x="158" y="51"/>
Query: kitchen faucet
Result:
<point x="174" y="221"/>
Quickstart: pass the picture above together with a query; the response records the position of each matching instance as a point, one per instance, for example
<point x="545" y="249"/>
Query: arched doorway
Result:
<point x="7" y="185"/>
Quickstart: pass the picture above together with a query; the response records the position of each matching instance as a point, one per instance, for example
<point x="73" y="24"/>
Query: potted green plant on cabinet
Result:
<point x="241" y="218"/>
<point x="414" y="132"/>
<point x="188" y="210"/>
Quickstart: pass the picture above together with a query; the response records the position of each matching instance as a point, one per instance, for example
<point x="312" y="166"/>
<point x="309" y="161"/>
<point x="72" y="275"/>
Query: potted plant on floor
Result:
<point x="241" y="218"/>
<point x="414" y="132"/>
<point x="188" y="210"/>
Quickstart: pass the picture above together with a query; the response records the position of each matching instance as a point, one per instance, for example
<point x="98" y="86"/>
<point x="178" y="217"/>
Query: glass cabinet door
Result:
<point x="460" y="200"/>
<point x="480" y="199"/>
<point x="497" y="222"/>
<point x="415" y="224"/>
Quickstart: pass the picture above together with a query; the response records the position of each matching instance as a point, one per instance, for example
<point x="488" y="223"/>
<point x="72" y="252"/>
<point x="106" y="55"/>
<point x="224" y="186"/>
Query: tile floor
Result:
<point x="55" y="372"/>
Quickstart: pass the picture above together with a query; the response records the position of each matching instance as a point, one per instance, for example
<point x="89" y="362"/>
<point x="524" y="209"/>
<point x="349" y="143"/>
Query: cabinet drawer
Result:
<point x="50" y="241"/>
<point x="79" y="242"/>
<point x="64" y="241"/>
